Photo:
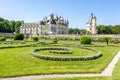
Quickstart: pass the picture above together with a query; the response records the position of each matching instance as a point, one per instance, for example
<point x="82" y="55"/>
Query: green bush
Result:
<point x="55" y="40"/>
<point x="85" y="40"/>
<point x="35" y="38"/>
<point x="1" y="35"/>
<point x="11" y="37"/>
<point x="18" y="36"/>
<point x="76" y="39"/>
<point x="2" y="39"/>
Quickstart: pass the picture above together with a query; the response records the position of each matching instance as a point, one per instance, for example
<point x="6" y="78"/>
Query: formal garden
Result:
<point x="23" y="56"/>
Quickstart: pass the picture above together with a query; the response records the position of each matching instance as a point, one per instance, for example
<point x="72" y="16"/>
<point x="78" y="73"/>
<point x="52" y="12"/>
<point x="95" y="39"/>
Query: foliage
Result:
<point x="55" y="40"/>
<point x="77" y="31"/>
<point x="18" y="36"/>
<point x="85" y="40"/>
<point x="27" y="37"/>
<point x="2" y="39"/>
<point x="97" y="39"/>
<point x="17" y="26"/>
<point x="11" y="37"/>
<point x="1" y="35"/>
<point x="35" y="38"/>
<point x="9" y="26"/>
<point x="106" y="39"/>
<point x="103" y="29"/>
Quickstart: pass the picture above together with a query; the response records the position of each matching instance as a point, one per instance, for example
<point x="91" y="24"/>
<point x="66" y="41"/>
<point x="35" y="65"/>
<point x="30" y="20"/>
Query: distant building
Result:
<point x="50" y="25"/>
<point x="92" y="24"/>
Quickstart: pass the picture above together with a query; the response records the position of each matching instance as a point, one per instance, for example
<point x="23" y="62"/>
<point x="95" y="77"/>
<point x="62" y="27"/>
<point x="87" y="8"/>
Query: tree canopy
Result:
<point x="77" y="31"/>
<point x="103" y="29"/>
<point x="7" y="26"/>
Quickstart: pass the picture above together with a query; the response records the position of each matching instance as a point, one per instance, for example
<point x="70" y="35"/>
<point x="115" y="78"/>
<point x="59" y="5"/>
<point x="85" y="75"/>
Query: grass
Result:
<point x="19" y="62"/>
<point x="115" y="76"/>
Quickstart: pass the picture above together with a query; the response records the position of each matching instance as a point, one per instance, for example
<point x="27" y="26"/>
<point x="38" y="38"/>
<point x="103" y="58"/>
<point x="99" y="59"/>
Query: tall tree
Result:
<point x="77" y="31"/>
<point x="17" y="26"/>
<point x="12" y="25"/>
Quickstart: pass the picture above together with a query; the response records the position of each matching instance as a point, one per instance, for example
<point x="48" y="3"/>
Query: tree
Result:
<point x="6" y="26"/>
<point x="77" y="31"/>
<point x="12" y="25"/>
<point x="116" y="29"/>
<point x="71" y="31"/>
<point x="102" y="29"/>
<point x="106" y="39"/>
<point x="9" y="26"/>
<point x="17" y="26"/>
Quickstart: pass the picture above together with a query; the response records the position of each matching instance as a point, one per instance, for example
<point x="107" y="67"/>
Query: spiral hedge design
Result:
<point x="64" y="58"/>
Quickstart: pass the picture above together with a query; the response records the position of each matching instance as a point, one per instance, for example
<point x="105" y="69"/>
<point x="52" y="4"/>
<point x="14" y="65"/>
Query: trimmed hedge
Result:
<point x="56" y="50"/>
<point x="18" y="36"/>
<point x="55" y="40"/>
<point x="25" y="45"/>
<point x="85" y="40"/>
<point x="35" y="38"/>
<point x="2" y="39"/>
<point x="74" y="58"/>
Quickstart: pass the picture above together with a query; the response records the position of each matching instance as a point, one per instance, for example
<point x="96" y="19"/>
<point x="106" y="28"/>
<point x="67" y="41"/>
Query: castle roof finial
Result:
<point x="91" y="14"/>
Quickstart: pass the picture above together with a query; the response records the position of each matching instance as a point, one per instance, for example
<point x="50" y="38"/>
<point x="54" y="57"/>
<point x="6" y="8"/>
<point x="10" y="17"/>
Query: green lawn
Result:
<point x="115" y="76"/>
<point x="18" y="62"/>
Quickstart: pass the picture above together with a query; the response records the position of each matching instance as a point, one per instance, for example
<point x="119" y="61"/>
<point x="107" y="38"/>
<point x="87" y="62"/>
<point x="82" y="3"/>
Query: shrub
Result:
<point x="2" y="39"/>
<point x="1" y="36"/>
<point x="55" y="40"/>
<point x="76" y="39"/>
<point x="35" y="38"/>
<point x="85" y="40"/>
<point x="11" y="37"/>
<point x="18" y="36"/>
<point x="27" y="37"/>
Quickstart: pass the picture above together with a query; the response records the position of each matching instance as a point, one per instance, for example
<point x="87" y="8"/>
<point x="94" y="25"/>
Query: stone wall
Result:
<point x="6" y="34"/>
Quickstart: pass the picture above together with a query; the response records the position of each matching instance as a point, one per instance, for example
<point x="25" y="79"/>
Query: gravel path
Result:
<point x="107" y="72"/>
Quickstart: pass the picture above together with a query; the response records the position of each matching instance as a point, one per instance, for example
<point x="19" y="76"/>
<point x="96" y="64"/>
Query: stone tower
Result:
<point x="92" y="24"/>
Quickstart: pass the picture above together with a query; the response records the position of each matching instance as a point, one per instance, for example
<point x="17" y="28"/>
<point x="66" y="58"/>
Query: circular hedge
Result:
<point x="64" y="58"/>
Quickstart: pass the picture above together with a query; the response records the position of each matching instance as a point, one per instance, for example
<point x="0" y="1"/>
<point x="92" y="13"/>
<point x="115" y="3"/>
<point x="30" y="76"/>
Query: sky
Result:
<point x="76" y="11"/>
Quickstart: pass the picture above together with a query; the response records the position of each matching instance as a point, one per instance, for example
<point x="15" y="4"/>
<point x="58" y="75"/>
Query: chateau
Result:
<point x="92" y="24"/>
<point x="50" y="25"/>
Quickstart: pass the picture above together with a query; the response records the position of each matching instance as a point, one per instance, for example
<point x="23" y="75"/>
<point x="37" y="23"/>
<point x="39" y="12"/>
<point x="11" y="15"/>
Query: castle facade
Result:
<point x="51" y="25"/>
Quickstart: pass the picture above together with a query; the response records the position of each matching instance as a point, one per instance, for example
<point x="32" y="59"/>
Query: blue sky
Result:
<point x="76" y="11"/>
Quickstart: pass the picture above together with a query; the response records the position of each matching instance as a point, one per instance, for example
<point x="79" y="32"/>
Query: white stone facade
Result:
<point x="51" y="25"/>
<point x="92" y="24"/>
